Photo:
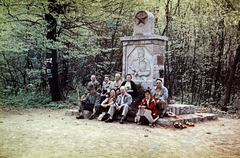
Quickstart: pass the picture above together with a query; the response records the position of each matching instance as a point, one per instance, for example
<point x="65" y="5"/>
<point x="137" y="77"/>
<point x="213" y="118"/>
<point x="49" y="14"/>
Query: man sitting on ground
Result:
<point x="160" y="94"/>
<point x="91" y="102"/>
<point x="122" y="105"/>
<point x="94" y="83"/>
<point x="147" y="109"/>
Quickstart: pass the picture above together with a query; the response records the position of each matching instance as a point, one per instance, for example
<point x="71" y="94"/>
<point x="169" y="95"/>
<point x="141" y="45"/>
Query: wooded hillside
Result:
<point x="82" y="38"/>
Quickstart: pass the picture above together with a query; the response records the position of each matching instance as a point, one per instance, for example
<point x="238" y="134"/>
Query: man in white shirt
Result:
<point x="122" y="104"/>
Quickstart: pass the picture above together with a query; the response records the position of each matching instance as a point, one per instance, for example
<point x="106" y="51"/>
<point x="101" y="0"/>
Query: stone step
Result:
<point x="167" y="121"/>
<point x="86" y="113"/>
<point x="181" y="109"/>
<point x="195" y="118"/>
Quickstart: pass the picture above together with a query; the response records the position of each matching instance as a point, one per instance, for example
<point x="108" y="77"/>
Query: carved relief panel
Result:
<point x="139" y="63"/>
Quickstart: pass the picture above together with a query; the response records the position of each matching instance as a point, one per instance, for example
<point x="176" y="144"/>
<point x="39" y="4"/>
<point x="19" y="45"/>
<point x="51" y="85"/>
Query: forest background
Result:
<point x="83" y="37"/>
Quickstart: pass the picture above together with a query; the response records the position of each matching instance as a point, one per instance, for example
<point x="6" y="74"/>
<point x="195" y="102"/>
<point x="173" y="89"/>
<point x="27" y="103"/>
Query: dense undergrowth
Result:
<point x="35" y="100"/>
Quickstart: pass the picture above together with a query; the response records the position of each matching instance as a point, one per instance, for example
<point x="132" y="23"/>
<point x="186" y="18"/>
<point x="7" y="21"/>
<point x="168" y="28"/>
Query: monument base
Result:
<point x="183" y="113"/>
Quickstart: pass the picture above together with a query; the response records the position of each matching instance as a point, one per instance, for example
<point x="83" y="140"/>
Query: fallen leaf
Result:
<point x="208" y="133"/>
<point x="48" y="115"/>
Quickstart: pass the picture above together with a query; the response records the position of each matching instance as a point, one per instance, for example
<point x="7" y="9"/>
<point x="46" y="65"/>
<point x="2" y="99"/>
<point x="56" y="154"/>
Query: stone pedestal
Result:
<point x="144" y="52"/>
<point x="195" y="118"/>
<point x="181" y="109"/>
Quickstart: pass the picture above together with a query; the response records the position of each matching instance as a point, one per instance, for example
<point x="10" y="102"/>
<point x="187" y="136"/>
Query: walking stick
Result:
<point x="80" y="98"/>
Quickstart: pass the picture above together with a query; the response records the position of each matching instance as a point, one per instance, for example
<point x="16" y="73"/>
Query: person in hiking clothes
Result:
<point x="160" y="94"/>
<point x="91" y="102"/>
<point x="94" y="83"/>
<point x="147" y="109"/>
<point x="122" y="105"/>
<point x="116" y="84"/>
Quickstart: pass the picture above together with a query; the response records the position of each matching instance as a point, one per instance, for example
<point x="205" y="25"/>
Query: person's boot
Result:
<point x="109" y="119"/>
<point x="140" y="121"/>
<point x="121" y="120"/>
<point x="92" y="116"/>
<point x="80" y="116"/>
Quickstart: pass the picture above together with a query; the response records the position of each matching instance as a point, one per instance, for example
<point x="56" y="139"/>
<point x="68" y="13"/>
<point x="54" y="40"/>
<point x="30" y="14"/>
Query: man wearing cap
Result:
<point x="122" y="105"/>
<point x="160" y="93"/>
<point x="91" y="102"/>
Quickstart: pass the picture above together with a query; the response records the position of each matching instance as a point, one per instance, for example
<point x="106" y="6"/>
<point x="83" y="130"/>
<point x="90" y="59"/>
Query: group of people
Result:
<point x="116" y="97"/>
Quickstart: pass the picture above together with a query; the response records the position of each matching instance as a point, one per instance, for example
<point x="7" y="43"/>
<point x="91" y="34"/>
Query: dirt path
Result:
<point x="45" y="133"/>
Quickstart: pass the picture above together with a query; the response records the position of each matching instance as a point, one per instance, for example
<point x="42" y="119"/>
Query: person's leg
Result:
<point x="111" y="110"/>
<point x="88" y="107"/>
<point x="148" y="115"/>
<point x="97" y="109"/>
<point x="103" y="109"/>
<point x="138" y="115"/>
<point x="125" y="110"/>
<point x="85" y="106"/>
<point x="162" y="108"/>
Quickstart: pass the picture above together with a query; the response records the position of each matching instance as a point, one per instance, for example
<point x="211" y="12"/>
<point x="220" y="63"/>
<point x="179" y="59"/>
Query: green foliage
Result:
<point x="203" y="37"/>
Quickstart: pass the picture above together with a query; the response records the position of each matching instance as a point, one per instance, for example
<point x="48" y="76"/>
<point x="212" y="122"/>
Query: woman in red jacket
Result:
<point x="147" y="109"/>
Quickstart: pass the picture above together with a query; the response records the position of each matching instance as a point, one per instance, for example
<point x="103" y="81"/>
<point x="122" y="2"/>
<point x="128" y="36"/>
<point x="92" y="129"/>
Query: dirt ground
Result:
<point x="49" y="133"/>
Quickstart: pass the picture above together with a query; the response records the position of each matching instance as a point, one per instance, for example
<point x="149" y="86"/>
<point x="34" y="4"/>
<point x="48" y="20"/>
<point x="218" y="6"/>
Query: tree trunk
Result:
<point x="53" y="79"/>
<point x="52" y="65"/>
<point x="230" y="79"/>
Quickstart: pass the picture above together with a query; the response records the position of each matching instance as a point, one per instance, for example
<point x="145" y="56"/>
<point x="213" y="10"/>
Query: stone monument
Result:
<point x="143" y="53"/>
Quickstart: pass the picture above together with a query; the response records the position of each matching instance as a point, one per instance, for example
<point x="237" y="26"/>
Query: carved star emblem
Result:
<point x="141" y="19"/>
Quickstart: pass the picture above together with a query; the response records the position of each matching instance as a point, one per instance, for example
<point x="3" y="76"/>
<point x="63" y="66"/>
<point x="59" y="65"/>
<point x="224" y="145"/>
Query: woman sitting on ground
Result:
<point x="147" y="109"/>
<point x="131" y="86"/>
<point x="107" y="103"/>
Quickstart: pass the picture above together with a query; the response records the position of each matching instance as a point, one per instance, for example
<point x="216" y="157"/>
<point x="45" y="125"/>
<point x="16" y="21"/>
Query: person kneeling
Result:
<point x="122" y="105"/>
<point x="147" y="109"/>
<point x="91" y="102"/>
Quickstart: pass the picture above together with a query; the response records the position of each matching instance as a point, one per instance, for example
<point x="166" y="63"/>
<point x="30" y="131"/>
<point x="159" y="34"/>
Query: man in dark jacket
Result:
<point x="91" y="102"/>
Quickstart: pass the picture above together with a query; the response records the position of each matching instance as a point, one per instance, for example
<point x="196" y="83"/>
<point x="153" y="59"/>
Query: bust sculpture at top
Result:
<point x="143" y="23"/>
